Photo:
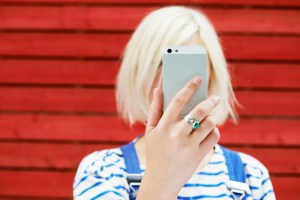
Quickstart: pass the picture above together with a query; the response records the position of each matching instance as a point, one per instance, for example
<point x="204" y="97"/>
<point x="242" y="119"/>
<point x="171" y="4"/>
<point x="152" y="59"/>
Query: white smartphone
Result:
<point x="181" y="64"/>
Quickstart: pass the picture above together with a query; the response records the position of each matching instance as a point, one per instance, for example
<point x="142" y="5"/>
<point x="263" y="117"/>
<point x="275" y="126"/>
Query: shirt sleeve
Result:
<point x="258" y="178"/>
<point x="100" y="176"/>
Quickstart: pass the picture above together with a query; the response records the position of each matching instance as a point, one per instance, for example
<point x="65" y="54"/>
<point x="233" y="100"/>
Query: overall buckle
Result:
<point x="238" y="189"/>
<point x="134" y="181"/>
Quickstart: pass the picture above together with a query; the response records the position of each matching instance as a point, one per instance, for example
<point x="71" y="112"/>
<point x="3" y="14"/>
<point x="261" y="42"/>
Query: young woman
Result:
<point x="175" y="160"/>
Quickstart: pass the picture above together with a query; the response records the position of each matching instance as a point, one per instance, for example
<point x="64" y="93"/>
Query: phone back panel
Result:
<point x="180" y="67"/>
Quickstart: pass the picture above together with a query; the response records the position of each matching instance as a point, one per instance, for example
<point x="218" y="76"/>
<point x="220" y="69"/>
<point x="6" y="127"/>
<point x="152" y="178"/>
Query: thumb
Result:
<point x="156" y="110"/>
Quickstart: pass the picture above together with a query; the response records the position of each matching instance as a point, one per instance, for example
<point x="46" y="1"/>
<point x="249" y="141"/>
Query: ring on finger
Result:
<point x="192" y="121"/>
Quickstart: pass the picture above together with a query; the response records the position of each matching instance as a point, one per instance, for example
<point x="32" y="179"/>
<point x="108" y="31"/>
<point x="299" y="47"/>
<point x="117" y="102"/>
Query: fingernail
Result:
<point x="197" y="80"/>
<point x="216" y="98"/>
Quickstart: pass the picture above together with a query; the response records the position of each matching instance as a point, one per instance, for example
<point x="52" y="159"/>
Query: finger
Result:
<point x="207" y="125"/>
<point x="203" y="109"/>
<point x="179" y="101"/>
<point x="209" y="142"/>
<point x="156" y="110"/>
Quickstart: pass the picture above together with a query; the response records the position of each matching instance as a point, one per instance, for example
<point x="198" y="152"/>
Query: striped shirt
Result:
<point x="102" y="175"/>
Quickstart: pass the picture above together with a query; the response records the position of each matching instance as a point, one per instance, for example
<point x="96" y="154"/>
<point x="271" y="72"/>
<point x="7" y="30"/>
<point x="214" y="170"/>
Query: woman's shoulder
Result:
<point x="252" y="164"/>
<point x="99" y="172"/>
<point x="102" y="159"/>
<point x="106" y="155"/>
<point x="257" y="176"/>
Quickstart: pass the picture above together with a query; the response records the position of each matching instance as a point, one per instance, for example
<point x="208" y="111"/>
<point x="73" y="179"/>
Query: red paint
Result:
<point x="277" y="3"/>
<point x="121" y="18"/>
<point x="100" y="45"/>
<point x="99" y="100"/>
<point x="74" y="72"/>
<point x="57" y="105"/>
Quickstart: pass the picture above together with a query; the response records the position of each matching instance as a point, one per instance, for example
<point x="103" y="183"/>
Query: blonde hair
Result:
<point x="140" y="70"/>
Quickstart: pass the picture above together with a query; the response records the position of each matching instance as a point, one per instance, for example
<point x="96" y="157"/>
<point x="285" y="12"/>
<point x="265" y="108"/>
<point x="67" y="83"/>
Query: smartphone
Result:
<point x="181" y="64"/>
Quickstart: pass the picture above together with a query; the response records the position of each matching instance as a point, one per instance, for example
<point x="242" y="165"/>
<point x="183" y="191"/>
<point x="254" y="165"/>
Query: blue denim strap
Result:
<point x="133" y="169"/>
<point x="131" y="159"/>
<point x="235" y="165"/>
<point x="236" y="173"/>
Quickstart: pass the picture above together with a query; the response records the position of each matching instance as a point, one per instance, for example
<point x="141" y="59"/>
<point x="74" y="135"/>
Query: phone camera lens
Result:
<point x="176" y="50"/>
<point x="169" y="50"/>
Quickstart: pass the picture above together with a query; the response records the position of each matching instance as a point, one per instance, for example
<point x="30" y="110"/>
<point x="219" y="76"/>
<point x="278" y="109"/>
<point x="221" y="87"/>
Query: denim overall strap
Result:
<point x="131" y="159"/>
<point x="133" y="169"/>
<point x="235" y="165"/>
<point x="237" y="184"/>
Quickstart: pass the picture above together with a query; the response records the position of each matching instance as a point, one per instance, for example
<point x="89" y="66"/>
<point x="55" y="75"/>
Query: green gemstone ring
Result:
<point x="192" y="121"/>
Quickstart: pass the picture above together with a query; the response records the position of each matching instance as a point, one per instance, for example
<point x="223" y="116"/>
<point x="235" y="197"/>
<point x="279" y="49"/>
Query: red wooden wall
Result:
<point x="58" y="62"/>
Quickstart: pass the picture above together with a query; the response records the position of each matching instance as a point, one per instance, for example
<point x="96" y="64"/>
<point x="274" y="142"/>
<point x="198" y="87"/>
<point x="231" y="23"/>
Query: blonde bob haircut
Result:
<point x="140" y="70"/>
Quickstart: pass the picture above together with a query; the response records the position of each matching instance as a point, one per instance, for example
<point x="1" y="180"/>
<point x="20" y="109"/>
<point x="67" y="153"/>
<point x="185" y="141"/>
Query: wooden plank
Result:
<point x="100" y="45"/>
<point x="82" y="45"/>
<point x="286" y="187"/>
<point x="265" y="75"/>
<point x="122" y="18"/>
<point x="59" y="184"/>
<point x="87" y="100"/>
<point x="112" y="129"/>
<point x="258" y="20"/>
<point x="66" y="128"/>
<point x="261" y="131"/>
<point x="25" y="183"/>
<point x="23" y="155"/>
<point x="73" y="72"/>
<point x="57" y="99"/>
<point x="277" y="3"/>
<point x="13" y="197"/>
<point x="261" y="47"/>
<point x="77" y="72"/>
<point x="269" y="103"/>
<point x="275" y="163"/>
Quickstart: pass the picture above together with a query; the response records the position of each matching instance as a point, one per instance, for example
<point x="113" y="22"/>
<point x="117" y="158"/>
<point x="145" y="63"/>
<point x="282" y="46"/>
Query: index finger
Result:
<point x="179" y="101"/>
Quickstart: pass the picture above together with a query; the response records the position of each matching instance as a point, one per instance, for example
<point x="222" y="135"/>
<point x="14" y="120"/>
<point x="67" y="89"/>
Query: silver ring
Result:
<point x="192" y="121"/>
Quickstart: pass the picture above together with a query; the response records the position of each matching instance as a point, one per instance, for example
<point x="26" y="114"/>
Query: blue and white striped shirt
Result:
<point x="102" y="175"/>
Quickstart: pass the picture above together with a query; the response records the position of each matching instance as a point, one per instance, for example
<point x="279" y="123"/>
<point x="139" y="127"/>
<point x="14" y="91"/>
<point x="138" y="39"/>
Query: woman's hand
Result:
<point x="173" y="148"/>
